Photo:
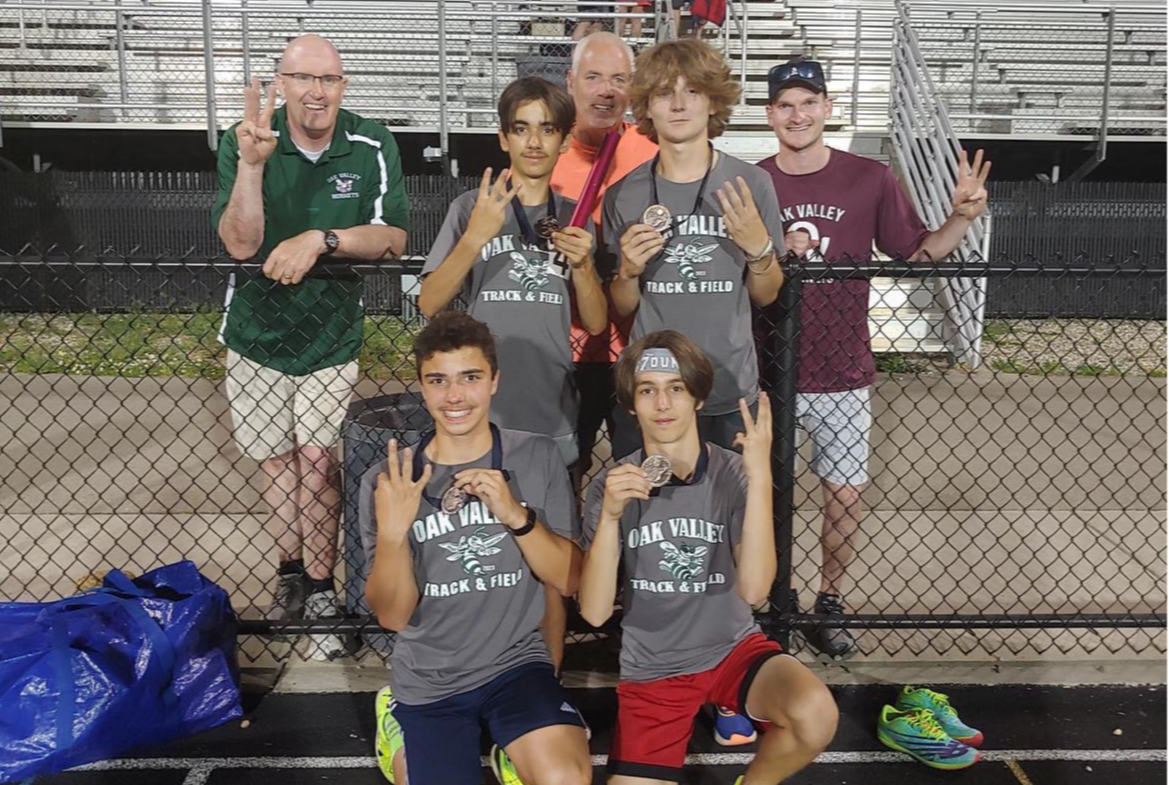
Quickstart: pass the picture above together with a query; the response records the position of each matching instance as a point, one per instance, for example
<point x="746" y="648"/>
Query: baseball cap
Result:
<point x="796" y="73"/>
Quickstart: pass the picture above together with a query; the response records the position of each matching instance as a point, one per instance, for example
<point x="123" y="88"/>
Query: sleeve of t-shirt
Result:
<point x="611" y="229"/>
<point x="594" y="497"/>
<point x="767" y="203"/>
<point x="390" y="206"/>
<point x="737" y="479"/>
<point x="228" y="165"/>
<point x="449" y="235"/>
<point x="559" y="508"/>
<point x="900" y="231"/>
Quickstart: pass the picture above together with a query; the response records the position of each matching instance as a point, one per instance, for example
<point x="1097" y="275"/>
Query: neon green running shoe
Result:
<point x="916" y="732"/>
<point x="503" y="768"/>
<point x="389" y="733"/>
<point x="939" y="704"/>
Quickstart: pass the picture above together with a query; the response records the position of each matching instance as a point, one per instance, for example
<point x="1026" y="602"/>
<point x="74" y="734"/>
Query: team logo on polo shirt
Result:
<point x="344" y="182"/>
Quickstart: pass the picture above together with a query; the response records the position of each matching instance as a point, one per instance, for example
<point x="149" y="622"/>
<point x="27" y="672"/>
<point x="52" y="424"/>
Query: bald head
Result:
<point x="311" y="54"/>
<point x="602" y="46"/>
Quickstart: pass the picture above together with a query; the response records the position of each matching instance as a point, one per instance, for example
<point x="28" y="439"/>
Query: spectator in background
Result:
<point x="598" y="81"/>
<point x="836" y="206"/>
<point x="299" y="184"/>
<point x="586" y="26"/>
<point x="634" y="25"/>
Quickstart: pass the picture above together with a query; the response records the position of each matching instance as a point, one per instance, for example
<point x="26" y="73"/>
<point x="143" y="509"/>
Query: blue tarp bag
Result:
<point x="132" y="664"/>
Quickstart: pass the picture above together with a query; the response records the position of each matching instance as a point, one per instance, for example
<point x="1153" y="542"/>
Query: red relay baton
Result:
<point x="588" y="197"/>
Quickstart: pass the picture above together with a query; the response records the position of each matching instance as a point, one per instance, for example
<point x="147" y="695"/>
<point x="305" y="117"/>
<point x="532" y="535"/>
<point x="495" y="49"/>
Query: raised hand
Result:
<point x="623" y="483"/>
<point x="755" y="442"/>
<point x="970" y="194"/>
<point x="254" y="134"/>
<point x="490" y="486"/>
<point x="491" y="206"/>
<point x="397" y="496"/>
<point x="639" y="244"/>
<point x="576" y="244"/>
<point x="744" y="224"/>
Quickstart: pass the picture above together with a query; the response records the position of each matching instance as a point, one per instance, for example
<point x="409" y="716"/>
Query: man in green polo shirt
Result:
<point x="299" y="184"/>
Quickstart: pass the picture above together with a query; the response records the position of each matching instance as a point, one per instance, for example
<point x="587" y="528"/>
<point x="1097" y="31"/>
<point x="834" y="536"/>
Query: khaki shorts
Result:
<point x="273" y="412"/>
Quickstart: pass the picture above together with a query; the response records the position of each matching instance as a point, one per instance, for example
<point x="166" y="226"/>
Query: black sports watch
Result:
<point x="527" y="527"/>
<point x="332" y="242"/>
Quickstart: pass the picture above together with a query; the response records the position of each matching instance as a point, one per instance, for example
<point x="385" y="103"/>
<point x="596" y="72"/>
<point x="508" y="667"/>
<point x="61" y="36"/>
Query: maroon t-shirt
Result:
<point x="849" y="205"/>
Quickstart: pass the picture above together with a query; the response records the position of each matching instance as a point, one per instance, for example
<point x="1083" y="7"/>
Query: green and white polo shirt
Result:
<point x="358" y="180"/>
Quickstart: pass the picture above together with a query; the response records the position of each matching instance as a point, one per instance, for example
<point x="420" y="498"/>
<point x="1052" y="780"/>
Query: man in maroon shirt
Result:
<point x="836" y="206"/>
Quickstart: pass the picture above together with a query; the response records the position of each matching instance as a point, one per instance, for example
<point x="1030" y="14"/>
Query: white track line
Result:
<point x="201" y="768"/>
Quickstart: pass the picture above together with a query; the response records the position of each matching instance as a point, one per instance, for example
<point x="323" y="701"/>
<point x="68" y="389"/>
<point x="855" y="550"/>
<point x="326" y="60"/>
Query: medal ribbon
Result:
<point x="701" y="186"/>
<point x="521" y="216"/>
<point x="420" y="458"/>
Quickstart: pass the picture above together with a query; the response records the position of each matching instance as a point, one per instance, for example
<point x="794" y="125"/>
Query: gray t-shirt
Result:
<point x="696" y="286"/>
<point x="523" y="294"/>
<point x="481" y="606"/>
<point x="682" y="614"/>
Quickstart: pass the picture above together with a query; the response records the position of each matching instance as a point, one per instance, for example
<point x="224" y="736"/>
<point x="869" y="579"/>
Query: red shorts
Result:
<point x="655" y="719"/>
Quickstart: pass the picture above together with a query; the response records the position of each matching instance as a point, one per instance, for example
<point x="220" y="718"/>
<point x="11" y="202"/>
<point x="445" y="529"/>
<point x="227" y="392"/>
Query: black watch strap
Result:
<point x="332" y="242"/>
<point x="527" y="527"/>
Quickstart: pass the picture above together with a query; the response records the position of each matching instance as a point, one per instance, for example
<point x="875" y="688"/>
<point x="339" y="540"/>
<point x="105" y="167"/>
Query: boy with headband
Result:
<point x="690" y="522"/>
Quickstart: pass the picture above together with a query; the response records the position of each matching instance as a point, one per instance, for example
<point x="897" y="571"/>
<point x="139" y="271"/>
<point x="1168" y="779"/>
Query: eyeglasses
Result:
<point x="785" y="71"/>
<point x="328" y="81"/>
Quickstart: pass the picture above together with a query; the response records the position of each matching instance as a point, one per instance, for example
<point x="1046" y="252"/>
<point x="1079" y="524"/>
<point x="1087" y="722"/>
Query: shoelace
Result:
<point x="942" y="701"/>
<point x="923" y="720"/>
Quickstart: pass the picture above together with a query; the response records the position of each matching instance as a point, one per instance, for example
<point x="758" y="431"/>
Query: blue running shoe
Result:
<point x="732" y="730"/>
<point x="939" y="704"/>
<point x="917" y="733"/>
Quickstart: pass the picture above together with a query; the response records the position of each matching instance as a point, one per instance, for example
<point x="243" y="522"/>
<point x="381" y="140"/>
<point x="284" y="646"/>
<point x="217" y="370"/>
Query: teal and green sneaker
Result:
<point x="916" y="732"/>
<point x="389" y="733"/>
<point x="939" y="704"/>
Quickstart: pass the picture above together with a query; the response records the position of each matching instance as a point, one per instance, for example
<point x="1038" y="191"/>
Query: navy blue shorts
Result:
<point x="442" y="738"/>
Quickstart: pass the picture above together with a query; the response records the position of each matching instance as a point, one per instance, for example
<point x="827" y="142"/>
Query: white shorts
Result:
<point x="273" y="412"/>
<point x="839" y="425"/>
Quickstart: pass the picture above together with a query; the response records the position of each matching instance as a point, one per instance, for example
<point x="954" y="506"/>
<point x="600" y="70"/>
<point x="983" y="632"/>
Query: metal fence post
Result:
<point x="743" y="56"/>
<point x="245" y="41"/>
<point x="856" y="68"/>
<point x="974" y="60"/>
<point x="1102" y="144"/>
<point x="783" y="452"/>
<point x="494" y="48"/>
<point x="120" y="42"/>
<point x="443" y="140"/>
<point x="209" y="77"/>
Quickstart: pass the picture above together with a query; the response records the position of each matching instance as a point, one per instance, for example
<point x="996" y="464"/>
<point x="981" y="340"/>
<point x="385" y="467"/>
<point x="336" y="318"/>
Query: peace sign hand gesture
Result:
<point x="397" y="496"/>
<point x="491" y="206"/>
<point x="755" y="442"/>
<point x="254" y="134"/>
<point x="970" y="194"/>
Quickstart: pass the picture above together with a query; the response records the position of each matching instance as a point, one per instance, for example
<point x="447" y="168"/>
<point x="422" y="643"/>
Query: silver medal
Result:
<point x="656" y="217"/>
<point x="657" y="470"/>
<point x="454" y="500"/>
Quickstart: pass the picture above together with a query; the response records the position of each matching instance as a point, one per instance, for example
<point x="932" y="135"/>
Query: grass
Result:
<point x="184" y="345"/>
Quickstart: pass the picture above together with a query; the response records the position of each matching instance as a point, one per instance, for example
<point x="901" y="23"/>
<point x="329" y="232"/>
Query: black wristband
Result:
<point x="527" y="527"/>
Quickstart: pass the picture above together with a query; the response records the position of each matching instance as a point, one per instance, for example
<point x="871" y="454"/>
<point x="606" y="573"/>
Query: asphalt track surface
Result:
<point x="1036" y="735"/>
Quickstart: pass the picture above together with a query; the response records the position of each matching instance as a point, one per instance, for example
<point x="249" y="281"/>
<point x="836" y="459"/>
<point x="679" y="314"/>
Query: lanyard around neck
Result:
<point x="420" y="460"/>
<point x="701" y="186"/>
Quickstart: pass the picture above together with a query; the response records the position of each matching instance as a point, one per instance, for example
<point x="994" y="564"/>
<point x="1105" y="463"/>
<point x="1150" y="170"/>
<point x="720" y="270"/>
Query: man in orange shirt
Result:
<point x="598" y="81"/>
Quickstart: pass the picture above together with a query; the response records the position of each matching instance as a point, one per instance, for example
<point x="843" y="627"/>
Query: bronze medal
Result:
<point x="454" y="500"/>
<point x="657" y="470"/>
<point x="547" y="226"/>
<point x="657" y="217"/>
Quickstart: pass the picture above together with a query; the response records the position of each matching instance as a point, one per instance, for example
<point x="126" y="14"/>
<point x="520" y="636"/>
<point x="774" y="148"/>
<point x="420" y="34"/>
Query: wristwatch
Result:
<point x="527" y="527"/>
<point x="332" y="242"/>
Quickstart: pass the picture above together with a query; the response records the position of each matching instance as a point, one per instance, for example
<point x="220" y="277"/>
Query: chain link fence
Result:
<point x="1015" y="507"/>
